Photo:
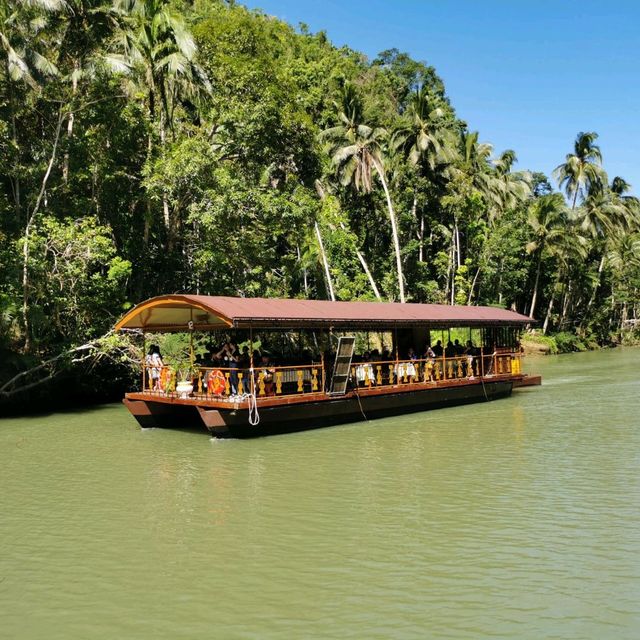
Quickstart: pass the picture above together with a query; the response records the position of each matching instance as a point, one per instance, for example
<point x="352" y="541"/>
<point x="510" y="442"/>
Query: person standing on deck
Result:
<point x="154" y="366"/>
<point x="470" y="352"/>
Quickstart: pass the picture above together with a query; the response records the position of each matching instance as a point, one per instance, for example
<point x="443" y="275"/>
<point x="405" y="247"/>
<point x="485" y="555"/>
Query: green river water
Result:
<point x="518" y="518"/>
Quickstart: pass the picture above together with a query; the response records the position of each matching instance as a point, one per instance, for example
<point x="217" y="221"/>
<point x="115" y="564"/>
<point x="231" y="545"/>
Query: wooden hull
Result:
<point x="288" y="417"/>
<point x="527" y="381"/>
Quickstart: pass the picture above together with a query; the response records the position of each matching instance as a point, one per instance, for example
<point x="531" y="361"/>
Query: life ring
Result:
<point x="216" y="382"/>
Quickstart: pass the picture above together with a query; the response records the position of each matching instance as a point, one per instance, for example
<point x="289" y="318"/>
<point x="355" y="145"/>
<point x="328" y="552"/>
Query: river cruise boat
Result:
<point x="312" y="363"/>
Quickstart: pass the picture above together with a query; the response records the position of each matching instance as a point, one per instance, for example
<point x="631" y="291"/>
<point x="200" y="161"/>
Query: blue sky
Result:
<point x="527" y="75"/>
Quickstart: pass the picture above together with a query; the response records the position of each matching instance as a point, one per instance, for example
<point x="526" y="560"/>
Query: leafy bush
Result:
<point x="538" y="342"/>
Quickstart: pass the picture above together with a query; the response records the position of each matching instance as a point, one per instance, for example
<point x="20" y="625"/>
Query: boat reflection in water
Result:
<point x="324" y="382"/>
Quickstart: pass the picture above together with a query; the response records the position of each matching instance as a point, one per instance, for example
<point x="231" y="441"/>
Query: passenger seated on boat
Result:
<point x="266" y="368"/>
<point x="386" y="354"/>
<point x="364" y="371"/>
<point x="458" y="348"/>
<point x="437" y="349"/>
<point x="430" y="357"/>
<point x="406" y="371"/>
<point x="228" y="358"/>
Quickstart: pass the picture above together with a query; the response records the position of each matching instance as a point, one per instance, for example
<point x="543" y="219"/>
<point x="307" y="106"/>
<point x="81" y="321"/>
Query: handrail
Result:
<point x="386" y="373"/>
<point x="268" y="380"/>
<point x="209" y="382"/>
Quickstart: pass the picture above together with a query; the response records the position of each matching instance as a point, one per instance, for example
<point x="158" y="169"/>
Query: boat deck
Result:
<point x="237" y="402"/>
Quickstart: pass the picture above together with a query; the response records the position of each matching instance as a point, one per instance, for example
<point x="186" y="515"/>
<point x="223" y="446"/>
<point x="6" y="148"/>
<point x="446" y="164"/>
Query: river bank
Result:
<point x="536" y="343"/>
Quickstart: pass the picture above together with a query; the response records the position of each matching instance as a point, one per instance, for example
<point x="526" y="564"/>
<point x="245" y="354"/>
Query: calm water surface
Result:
<point x="513" y="519"/>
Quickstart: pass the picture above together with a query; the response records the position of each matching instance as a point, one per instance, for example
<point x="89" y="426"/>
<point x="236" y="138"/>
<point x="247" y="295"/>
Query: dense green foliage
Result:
<point x="149" y="146"/>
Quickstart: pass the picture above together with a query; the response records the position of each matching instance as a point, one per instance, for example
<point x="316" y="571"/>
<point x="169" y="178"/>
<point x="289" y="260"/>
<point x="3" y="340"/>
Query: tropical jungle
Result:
<point x="158" y="146"/>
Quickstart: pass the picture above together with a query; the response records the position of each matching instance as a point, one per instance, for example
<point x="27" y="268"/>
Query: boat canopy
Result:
<point x="209" y="313"/>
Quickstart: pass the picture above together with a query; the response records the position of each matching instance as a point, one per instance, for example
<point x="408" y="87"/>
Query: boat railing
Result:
<point x="432" y="370"/>
<point x="267" y="380"/>
<point x="235" y="383"/>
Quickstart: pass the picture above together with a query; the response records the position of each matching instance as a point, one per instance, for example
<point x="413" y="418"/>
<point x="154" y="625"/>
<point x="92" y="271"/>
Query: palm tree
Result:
<point x="624" y="258"/>
<point x="602" y="216"/>
<point x="472" y="171"/>
<point x="547" y="218"/>
<point x="619" y="189"/>
<point x="424" y="137"/>
<point x="89" y="24"/>
<point x="19" y="23"/>
<point x="500" y="188"/>
<point x="322" y="193"/>
<point x="475" y="163"/>
<point x="427" y="143"/>
<point x="356" y="153"/>
<point x="21" y="27"/>
<point x="512" y="187"/>
<point x="567" y="249"/>
<point x="153" y="46"/>
<point x="581" y="172"/>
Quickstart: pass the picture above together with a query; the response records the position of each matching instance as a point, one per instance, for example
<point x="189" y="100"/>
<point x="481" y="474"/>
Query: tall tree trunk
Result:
<point x="596" y="286"/>
<point x="447" y="289"/>
<point x="473" y="284"/>
<point x="14" y="138"/>
<point x="27" y="235"/>
<point x="168" y="223"/>
<point x="623" y="316"/>
<point x="535" y="286"/>
<point x="420" y="221"/>
<point x="565" y="306"/>
<point x="321" y="192"/>
<point x="575" y="198"/>
<point x="452" y="262"/>
<point x="325" y="263"/>
<point x="547" y="317"/>
<point x="304" y="272"/>
<point x="152" y="114"/>
<point x="421" y="238"/>
<point x="365" y="268"/>
<point x="372" y="282"/>
<point x="70" y="121"/>
<point x="394" y="228"/>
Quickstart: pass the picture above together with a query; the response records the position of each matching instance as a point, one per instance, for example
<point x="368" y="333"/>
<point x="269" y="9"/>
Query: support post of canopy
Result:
<point x="143" y="360"/>
<point x="191" y="354"/>
<point x="251" y="376"/>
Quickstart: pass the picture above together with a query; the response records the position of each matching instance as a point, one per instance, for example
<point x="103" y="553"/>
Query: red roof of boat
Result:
<point x="174" y="312"/>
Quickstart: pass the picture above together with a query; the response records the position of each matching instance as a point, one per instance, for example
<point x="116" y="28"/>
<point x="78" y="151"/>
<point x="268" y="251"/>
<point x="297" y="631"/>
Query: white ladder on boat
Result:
<point x="342" y="365"/>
